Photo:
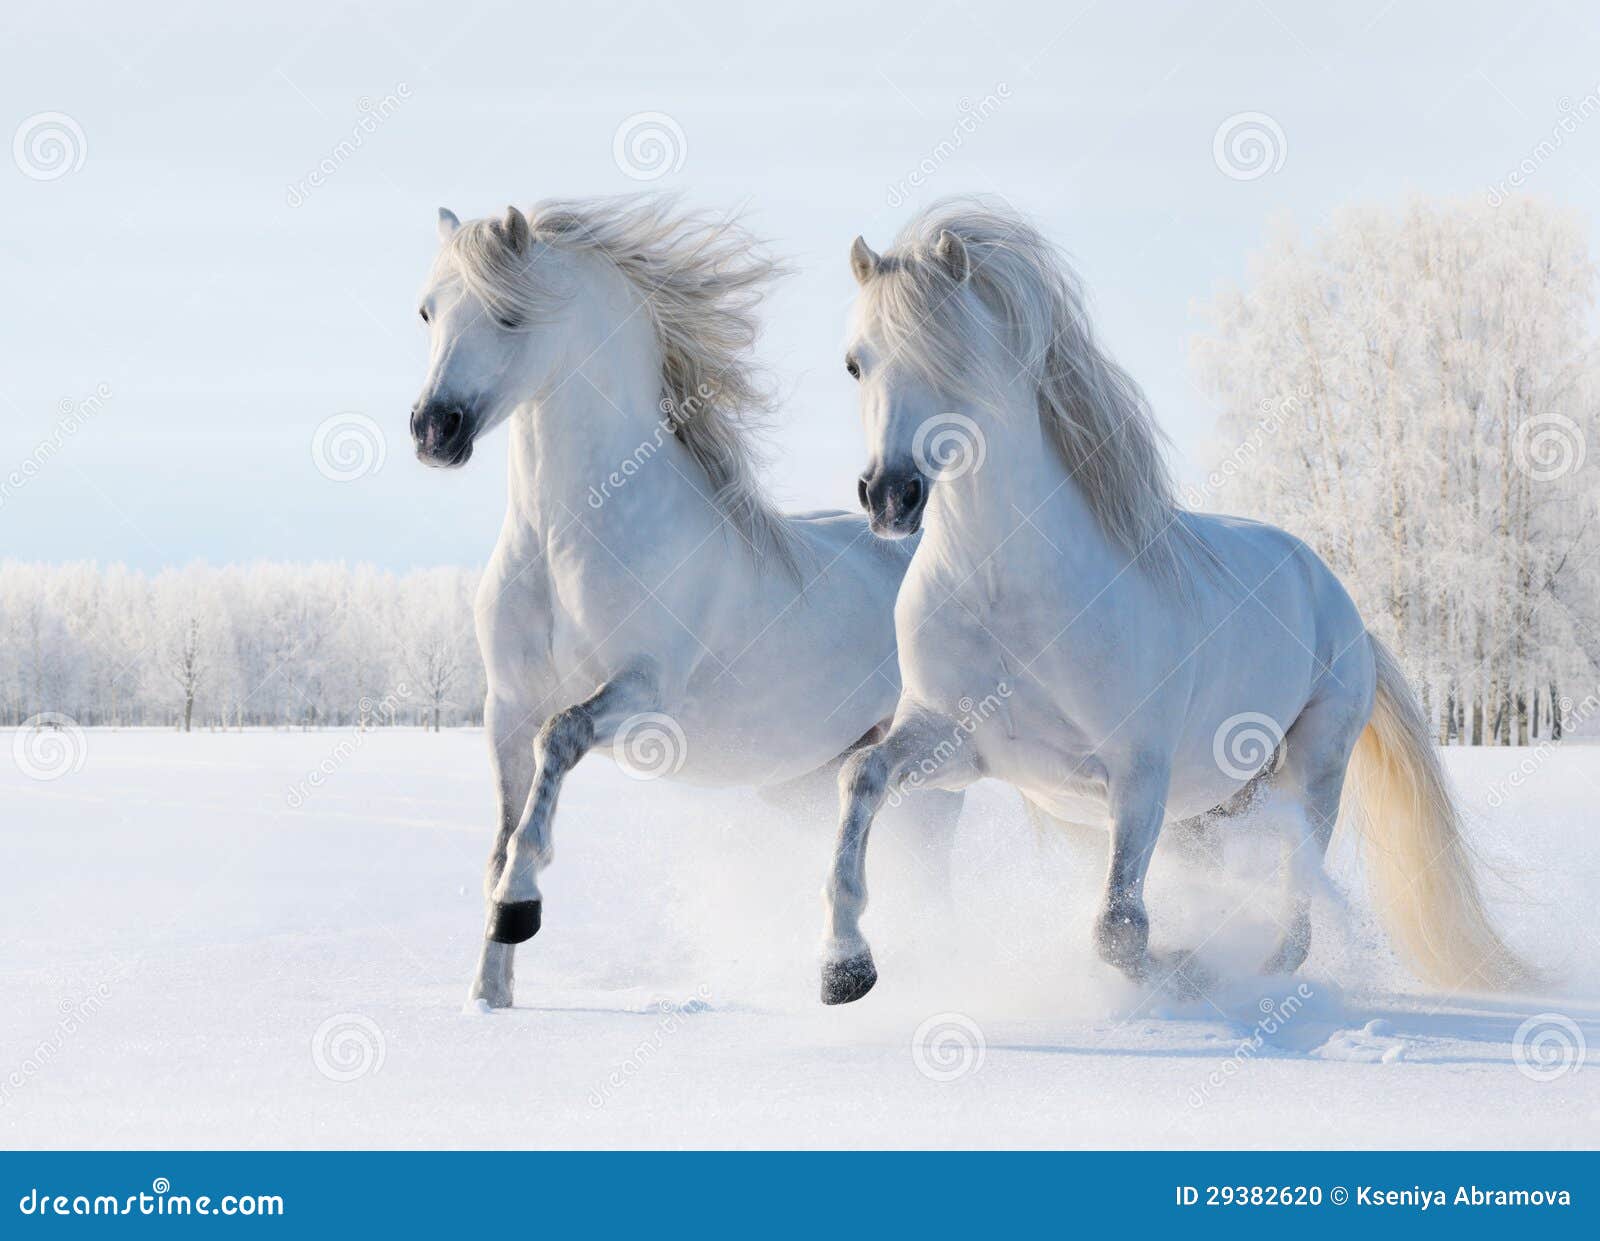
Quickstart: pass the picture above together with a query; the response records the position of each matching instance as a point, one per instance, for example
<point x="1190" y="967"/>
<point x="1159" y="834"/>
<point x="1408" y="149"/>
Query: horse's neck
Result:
<point x="992" y="515"/>
<point x="596" y="450"/>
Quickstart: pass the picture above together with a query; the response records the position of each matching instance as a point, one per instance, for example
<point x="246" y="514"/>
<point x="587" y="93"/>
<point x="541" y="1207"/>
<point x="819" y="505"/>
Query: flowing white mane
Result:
<point x="702" y="277"/>
<point x="1094" y="412"/>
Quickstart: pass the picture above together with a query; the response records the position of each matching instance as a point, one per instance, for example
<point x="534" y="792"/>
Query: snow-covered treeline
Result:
<point x="273" y="644"/>
<point x="1413" y="393"/>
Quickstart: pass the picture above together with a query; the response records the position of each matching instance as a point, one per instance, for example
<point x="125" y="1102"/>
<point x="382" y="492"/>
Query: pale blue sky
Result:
<point x="228" y="324"/>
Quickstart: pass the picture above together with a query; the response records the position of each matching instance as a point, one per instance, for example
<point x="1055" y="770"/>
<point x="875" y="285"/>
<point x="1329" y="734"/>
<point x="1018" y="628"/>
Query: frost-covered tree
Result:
<point x="1413" y="392"/>
<point x="263" y="644"/>
<point x="433" y="628"/>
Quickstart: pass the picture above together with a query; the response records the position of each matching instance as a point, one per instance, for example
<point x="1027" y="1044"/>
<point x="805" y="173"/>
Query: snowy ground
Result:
<point x="188" y="960"/>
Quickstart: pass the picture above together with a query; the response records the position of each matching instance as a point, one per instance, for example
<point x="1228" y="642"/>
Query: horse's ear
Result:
<point x="952" y="254"/>
<point x="447" y="223"/>
<point x="862" y="260"/>
<point x="516" y="230"/>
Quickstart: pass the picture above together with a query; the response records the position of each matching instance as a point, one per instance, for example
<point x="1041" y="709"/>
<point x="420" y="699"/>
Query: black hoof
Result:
<point x="515" y="923"/>
<point x="847" y="980"/>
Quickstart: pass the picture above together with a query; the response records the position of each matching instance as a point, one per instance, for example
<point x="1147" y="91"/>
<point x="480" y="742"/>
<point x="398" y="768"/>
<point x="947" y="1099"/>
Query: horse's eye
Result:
<point x="510" y="325"/>
<point x="424" y="313"/>
<point x="854" y="367"/>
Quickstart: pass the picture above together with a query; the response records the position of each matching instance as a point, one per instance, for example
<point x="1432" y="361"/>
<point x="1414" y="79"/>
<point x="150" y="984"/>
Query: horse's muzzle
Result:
<point x="442" y="434"/>
<point x="894" y="499"/>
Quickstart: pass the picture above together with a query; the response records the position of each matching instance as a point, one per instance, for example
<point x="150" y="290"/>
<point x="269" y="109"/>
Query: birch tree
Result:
<point x="1413" y="392"/>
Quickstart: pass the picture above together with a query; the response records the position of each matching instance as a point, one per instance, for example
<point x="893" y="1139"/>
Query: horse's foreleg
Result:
<point x="511" y="727"/>
<point x="515" y="905"/>
<point x="865" y="780"/>
<point x="1138" y="802"/>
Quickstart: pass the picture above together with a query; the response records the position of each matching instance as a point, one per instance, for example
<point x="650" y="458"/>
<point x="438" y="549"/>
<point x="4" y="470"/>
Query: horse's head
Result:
<point x="493" y="339"/>
<point x="917" y="395"/>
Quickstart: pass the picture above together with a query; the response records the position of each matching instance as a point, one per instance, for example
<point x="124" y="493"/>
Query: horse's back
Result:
<point x="1265" y="577"/>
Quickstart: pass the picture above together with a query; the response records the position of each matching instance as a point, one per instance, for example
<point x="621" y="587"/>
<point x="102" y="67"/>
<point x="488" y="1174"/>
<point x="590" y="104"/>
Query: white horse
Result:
<point x="1138" y="663"/>
<point x="643" y="594"/>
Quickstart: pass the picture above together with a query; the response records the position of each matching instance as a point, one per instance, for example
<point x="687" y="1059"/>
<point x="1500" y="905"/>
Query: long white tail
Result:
<point x="1421" y="867"/>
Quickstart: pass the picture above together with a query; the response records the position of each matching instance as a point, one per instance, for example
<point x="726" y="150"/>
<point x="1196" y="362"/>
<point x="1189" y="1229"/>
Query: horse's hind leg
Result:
<point x="1304" y="795"/>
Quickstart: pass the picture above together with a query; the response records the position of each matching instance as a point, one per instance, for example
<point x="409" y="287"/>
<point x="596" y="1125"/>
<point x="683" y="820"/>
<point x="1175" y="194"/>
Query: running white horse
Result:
<point x="1142" y="664"/>
<point x="643" y="594"/>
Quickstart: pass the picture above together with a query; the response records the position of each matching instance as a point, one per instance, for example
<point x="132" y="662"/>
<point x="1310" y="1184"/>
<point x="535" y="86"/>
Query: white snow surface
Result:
<point x="189" y="960"/>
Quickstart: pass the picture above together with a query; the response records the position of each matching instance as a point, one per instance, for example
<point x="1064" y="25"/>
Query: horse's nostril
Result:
<point x="861" y="492"/>
<point x="413" y="420"/>
<point x="912" y="495"/>
<point x="450" y="424"/>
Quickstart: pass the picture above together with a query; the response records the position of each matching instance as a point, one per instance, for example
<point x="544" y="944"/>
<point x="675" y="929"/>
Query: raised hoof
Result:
<point x="847" y="980"/>
<point x="514" y="923"/>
